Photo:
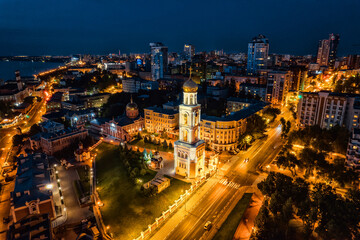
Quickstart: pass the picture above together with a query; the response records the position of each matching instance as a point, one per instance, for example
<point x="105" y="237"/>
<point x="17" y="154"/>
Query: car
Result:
<point x="208" y="225"/>
<point x="246" y="160"/>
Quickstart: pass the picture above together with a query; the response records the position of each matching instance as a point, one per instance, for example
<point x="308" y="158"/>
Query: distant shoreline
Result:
<point x="26" y="68"/>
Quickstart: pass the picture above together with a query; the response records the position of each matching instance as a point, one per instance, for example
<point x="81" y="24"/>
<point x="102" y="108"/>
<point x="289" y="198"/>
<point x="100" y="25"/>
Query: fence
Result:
<point x="165" y="214"/>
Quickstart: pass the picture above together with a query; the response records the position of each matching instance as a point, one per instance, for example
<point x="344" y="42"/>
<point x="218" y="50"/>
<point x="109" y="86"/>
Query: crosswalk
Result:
<point x="225" y="182"/>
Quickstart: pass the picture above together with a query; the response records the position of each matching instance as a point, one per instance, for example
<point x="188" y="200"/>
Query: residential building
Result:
<point x="80" y="117"/>
<point x="353" y="62"/>
<point x="35" y="226"/>
<point x="32" y="194"/>
<point x="95" y="100"/>
<point x="328" y="109"/>
<point x="51" y="143"/>
<point x="158" y="119"/>
<point x="189" y="51"/>
<point x="159" y="60"/>
<point x="327" y="51"/>
<point x="189" y="150"/>
<point x="54" y="104"/>
<point x="353" y="150"/>
<point x="254" y="89"/>
<point x="238" y="80"/>
<point x="277" y="87"/>
<point x="323" y="52"/>
<point x="236" y="104"/>
<point x="222" y="133"/>
<point x="131" y="85"/>
<point x="258" y="50"/>
<point x="14" y="91"/>
<point x="49" y="126"/>
<point x="333" y="45"/>
<point x="73" y="106"/>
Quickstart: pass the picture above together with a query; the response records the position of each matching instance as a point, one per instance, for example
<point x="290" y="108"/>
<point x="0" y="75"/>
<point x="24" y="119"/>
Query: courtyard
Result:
<point x="127" y="211"/>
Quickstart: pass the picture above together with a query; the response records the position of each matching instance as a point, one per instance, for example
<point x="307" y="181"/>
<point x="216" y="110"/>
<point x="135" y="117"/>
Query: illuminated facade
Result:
<point x="277" y="87"/>
<point x="258" y="50"/>
<point x="221" y="134"/>
<point x="189" y="51"/>
<point x="158" y="119"/>
<point x="189" y="150"/>
<point x="328" y="109"/>
<point x="159" y="60"/>
<point x="353" y="150"/>
<point x="123" y="128"/>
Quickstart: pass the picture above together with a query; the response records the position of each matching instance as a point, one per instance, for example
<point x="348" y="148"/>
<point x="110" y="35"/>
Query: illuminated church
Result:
<point x="189" y="150"/>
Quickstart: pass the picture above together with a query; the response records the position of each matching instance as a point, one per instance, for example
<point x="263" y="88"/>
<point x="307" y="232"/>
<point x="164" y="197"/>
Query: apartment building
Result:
<point x="158" y="119"/>
<point x="328" y="109"/>
<point x="32" y="194"/>
<point x="55" y="142"/>
<point x="277" y="86"/>
<point x="222" y="133"/>
<point x="353" y="150"/>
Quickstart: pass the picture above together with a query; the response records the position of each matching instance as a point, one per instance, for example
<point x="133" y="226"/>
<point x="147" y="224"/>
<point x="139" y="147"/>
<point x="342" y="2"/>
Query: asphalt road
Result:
<point x="215" y="201"/>
<point x="6" y="134"/>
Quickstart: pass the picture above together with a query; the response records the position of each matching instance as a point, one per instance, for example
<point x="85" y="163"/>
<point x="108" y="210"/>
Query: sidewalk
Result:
<point x="247" y="222"/>
<point x="182" y="212"/>
<point x="74" y="212"/>
<point x="5" y="207"/>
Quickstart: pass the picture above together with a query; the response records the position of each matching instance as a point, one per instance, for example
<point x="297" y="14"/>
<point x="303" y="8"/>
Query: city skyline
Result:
<point x="96" y="28"/>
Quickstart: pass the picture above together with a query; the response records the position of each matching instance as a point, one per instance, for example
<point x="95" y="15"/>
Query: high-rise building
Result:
<point x="333" y="43"/>
<point x="327" y="50"/>
<point x="278" y="86"/>
<point x="159" y="60"/>
<point x="323" y="52"/>
<point x="189" y="150"/>
<point x="189" y="51"/>
<point x="258" y="50"/>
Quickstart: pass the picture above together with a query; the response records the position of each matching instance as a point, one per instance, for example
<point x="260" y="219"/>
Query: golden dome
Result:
<point x="190" y="86"/>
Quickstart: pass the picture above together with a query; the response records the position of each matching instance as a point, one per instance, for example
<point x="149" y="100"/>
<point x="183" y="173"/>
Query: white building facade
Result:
<point x="189" y="150"/>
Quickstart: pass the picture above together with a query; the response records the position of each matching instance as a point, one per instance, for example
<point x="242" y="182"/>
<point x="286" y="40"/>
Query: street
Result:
<point x="7" y="133"/>
<point x="209" y="205"/>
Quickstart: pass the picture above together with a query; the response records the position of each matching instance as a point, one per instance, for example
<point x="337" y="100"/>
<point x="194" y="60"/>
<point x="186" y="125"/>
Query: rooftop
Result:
<point x="161" y="110"/>
<point x="31" y="178"/>
<point x="236" y="116"/>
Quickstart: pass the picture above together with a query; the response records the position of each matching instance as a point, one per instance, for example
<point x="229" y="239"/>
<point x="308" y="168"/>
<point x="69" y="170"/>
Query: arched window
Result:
<point x="186" y="156"/>
<point x="191" y="100"/>
<point x="185" y="119"/>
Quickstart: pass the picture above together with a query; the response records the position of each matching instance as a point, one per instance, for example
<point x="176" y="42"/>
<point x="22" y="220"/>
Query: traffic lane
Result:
<point x="205" y="211"/>
<point x="196" y="212"/>
<point x="198" y="230"/>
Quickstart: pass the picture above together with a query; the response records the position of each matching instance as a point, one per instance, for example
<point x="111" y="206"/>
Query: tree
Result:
<point x="165" y="145"/>
<point x="170" y="145"/>
<point x="35" y="129"/>
<point x="288" y="160"/>
<point x="17" y="139"/>
<point x="271" y="113"/>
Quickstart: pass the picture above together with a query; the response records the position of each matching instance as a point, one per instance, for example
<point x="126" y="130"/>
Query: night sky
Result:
<point x="62" y="27"/>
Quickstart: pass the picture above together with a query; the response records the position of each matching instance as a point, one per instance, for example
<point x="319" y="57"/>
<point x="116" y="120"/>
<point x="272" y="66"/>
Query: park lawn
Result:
<point x="152" y="146"/>
<point x="228" y="228"/>
<point x="125" y="209"/>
